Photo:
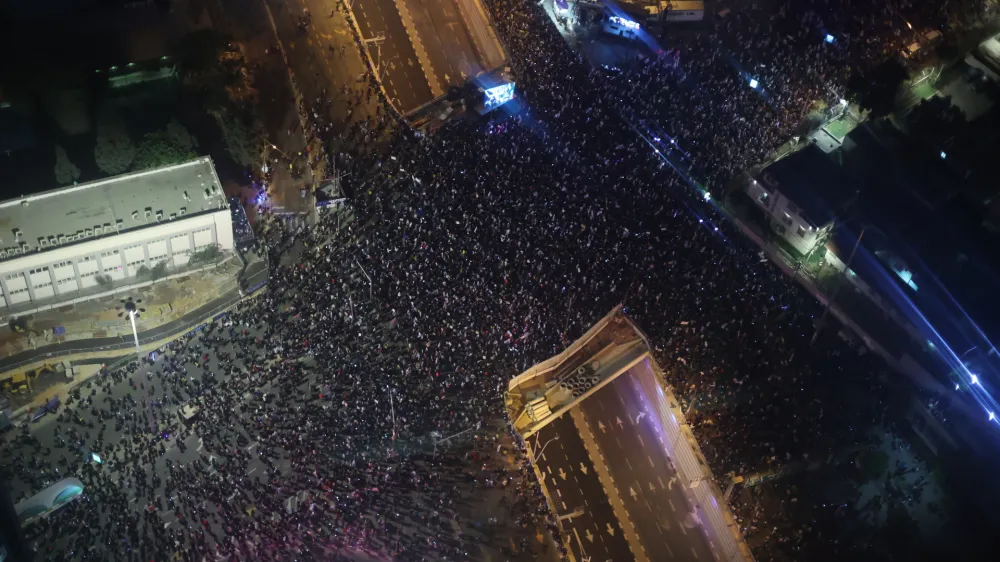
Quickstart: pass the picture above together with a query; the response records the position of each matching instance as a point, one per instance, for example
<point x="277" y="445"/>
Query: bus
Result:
<point x="44" y="503"/>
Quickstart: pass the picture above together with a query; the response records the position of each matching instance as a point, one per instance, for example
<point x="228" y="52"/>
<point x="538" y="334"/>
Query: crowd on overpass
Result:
<point x="473" y="254"/>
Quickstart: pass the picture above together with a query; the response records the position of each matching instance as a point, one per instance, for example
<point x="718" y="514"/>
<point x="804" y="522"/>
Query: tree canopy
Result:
<point x="876" y="90"/>
<point x="66" y="172"/>
<point x="113" y="151"/>
<point x="163" y="148"/>
<point x="239" y="134"/>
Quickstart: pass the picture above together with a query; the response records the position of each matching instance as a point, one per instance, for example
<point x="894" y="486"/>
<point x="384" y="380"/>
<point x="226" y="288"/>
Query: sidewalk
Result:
<point x="164" y="301"/>
<point x="100" y="350"/>
<point x="100" y="345"/>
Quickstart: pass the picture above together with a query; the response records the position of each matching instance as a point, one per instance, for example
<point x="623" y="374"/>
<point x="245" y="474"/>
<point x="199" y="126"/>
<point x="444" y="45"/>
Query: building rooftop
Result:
<point x="814" y="182"/>
<point x="107" y="207"/>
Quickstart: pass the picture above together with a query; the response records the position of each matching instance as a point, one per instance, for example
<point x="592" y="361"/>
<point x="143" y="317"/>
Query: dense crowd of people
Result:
<point x="473" y="254"/>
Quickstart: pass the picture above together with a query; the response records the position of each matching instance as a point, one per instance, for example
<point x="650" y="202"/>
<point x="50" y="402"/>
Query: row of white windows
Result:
<point x="12" y="276"/>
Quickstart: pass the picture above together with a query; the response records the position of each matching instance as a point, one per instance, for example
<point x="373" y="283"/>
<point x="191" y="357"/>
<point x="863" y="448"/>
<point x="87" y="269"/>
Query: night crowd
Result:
<point x="471" y="255"/>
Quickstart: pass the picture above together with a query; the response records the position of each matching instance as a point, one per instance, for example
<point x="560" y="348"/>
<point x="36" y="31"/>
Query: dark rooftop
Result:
<point x="814" y="182"/>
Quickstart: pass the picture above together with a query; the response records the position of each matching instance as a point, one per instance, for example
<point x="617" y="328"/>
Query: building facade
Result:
<point x="61" y="245"/>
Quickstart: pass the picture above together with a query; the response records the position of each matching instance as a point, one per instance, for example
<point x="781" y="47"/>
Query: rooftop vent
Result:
<point x="62" y="238"/>
<point x="184" y="210"/>
<point x="119" y="224"/>
<point x="18" y="234"/>
<point x="90" y="232"/>
<point x="148" y="211"/>
<point x="159" y="214"/>
<point x="42" y="241"/>
<point x="173" y="216"/>
<point x="208" y="193"/>
<point x="186" y="196"/>
<point x="25" y="202"/>
<point x="53" y="240"/>
<point x="3" y="254"/>
<point x="135" y="215"/>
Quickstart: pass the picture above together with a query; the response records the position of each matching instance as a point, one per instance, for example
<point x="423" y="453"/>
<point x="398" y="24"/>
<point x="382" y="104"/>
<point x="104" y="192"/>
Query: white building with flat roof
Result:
<point x="54" y="245"/>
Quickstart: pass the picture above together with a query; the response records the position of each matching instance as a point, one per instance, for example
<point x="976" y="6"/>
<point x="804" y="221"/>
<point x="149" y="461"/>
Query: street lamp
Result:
<point x="450" y="437"/>
<point x="534" y="460"/>
<point x="829" y="302"/>
<point x="131" y="308"/>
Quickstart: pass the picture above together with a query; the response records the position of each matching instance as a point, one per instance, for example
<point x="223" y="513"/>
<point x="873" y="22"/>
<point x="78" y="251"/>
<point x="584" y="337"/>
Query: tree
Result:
<point x="114" y="151"/>
<point x="158" y="271"/>
<point x="104" y="281"/>
<point x="239" y="134"/>
<point x="199" y="51"/>
<point x="66" y="171"/>
<point x="160" y="148"/>
<point x="208" y="254"/>
<point x="181" y="137"/>
<point x="876" y="89"/>
<point x="874" y="465"/>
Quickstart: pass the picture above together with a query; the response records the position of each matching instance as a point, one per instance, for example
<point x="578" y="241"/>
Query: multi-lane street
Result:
<point x="393" y="53"/>
<point x="579" y="500"/>
<point x="632" y="448"/>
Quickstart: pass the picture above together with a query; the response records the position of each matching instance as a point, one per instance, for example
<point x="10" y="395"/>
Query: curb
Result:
<point x="366" y="56"/>
<point x="418" y="48"/>
<point x="126" y="356"/>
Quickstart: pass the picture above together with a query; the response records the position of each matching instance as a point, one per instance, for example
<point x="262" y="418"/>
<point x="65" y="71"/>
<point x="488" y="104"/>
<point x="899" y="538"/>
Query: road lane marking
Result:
<point x="672" y="508"/>
<point x="658" y="479"/>
<point x="693" y="551"/>
<point x="641" y="442"/>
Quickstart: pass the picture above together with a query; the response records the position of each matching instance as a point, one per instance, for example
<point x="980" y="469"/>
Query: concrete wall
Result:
<point x="60" y="273"/>
<point x="786" y="219"/>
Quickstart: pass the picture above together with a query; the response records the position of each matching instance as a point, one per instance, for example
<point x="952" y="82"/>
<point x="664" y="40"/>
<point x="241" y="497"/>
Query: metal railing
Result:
<point x="129" y="343"/>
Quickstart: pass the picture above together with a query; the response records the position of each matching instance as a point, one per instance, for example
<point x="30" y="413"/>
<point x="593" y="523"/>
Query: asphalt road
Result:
<point x="403" y="77"/>
<point x="147" y="485"/>
<point x="576" y="492"/>
<point x="448" y="45"/>
<point x="255" y="274"/>
<point x="631" y="444"/>
<point x="324" y="57"/>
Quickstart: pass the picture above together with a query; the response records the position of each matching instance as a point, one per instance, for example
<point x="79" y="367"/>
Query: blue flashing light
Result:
<point x="943" y="155"/>
<point x="992" y="416"/>
<point x="708" y="196"/>
<point x="956" y="386"/>
<point x="829" y="38"/>
<point x="975" y="379"/>
<point x="753" y="83"/>
<point x="626" y="23"/>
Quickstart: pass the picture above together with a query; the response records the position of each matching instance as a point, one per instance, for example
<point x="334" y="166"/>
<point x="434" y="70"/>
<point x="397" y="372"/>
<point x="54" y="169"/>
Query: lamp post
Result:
<point x="538" y="455"/>
<point x="436" y="443"/>
<point x="132" y="309"/>
<point x="836" y="290"/>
